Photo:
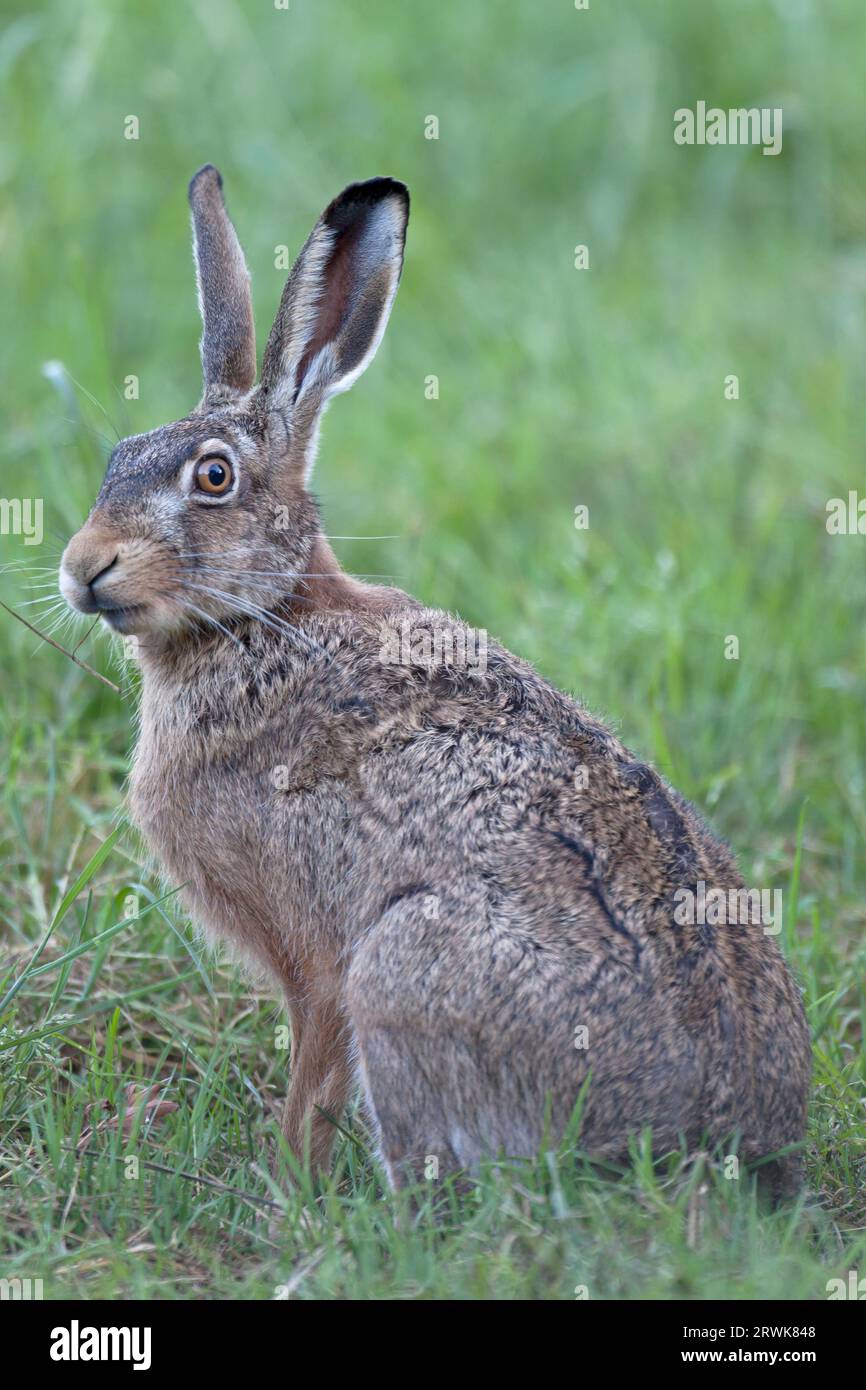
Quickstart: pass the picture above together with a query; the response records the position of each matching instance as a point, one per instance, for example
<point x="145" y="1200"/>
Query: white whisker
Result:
<point x="208" y="618"/>
<point x="263" y="615"/>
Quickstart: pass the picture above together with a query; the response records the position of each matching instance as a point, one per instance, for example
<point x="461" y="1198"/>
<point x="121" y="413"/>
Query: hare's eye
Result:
<point x="213" y="475"/>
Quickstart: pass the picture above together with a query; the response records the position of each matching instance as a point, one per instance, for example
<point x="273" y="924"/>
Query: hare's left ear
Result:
<point x="337" y="298"/>
<point x="228" y="341"/>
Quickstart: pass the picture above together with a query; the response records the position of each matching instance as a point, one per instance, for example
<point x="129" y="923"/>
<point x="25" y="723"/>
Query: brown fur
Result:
<point x="406" y="849"/>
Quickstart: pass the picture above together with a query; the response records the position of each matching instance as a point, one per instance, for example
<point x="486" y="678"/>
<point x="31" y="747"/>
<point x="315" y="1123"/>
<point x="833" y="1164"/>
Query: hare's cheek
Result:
<point x="169" y="615"/>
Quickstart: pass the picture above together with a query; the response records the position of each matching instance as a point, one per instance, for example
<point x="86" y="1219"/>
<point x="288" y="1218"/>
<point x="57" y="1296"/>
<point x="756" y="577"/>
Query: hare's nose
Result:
<point x="87" y="558"/>
<point x="100" y="571"/>
<point x="86" y="570"/>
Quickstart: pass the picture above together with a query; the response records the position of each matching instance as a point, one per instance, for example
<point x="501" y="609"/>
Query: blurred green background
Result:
<point x="557" y="387"/>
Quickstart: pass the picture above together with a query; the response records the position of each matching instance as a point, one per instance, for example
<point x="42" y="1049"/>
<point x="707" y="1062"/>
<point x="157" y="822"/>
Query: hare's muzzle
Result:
<point x="95" y="577"/>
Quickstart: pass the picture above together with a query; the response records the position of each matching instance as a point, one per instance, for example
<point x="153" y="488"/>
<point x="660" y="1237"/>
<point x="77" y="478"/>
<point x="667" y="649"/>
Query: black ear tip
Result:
<point x="207" y="174"/>
<point x="398" y="190"/>
<point x="358" y="195"/>
<point x="382" y="187"/>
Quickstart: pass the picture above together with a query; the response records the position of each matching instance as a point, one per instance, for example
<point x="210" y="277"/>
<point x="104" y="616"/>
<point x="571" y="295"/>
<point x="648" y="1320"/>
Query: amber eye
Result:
<point x="213" y="475"/>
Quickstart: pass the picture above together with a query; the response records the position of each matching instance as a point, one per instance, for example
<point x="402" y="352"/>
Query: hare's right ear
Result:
<point x="337" y="298"/>
<point x="228" y="340"/>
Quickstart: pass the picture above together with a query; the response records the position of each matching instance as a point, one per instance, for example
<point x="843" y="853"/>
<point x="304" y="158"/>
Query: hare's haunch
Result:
<point x="465" y="887"/>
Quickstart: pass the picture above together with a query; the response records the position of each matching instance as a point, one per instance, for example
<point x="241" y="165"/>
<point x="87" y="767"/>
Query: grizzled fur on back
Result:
<point x="451" y="874"/>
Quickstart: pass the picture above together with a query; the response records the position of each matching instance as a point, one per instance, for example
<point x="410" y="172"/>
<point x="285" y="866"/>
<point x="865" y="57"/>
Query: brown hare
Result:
<point x="463" y="885"/>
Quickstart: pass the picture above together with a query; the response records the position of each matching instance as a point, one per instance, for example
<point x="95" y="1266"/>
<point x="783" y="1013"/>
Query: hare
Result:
<point x="463" y="885"/>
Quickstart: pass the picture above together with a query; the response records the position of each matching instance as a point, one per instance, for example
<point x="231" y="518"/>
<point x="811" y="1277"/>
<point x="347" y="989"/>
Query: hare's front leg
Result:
<point x="320" y="1075"/>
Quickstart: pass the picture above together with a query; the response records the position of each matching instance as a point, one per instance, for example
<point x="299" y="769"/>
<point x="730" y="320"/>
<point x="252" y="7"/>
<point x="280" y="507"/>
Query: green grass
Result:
<point x="557" y="387"/>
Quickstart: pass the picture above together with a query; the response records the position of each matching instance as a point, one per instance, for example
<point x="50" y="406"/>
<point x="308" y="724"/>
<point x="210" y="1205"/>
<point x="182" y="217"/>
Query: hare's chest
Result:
<point x="187" y="823"/>
<point x="201" y="823"/>
<point x="258" y="849"/>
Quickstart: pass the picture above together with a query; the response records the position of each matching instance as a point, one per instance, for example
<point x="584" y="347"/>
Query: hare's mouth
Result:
<point x="122" y="619"/>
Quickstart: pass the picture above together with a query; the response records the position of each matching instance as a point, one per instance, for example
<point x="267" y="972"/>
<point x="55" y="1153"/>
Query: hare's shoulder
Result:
<point x="471" y="710"/>
<point x="426" y="673"/>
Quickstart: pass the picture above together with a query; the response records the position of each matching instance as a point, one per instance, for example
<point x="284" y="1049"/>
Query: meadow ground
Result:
<point x="558" y="388"/>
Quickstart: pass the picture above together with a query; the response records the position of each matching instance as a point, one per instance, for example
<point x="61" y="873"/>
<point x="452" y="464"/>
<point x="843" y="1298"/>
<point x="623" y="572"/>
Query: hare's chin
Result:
<point x="159" y="619"/>
<point x="130" y="619"/>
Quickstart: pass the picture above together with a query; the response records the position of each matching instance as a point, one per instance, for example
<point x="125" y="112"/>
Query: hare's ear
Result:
<point x="228" y="340"/>
<point x="338" y="297"/>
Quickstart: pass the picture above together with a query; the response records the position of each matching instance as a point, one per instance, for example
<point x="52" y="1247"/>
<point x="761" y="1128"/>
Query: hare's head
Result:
<point x="209" y="517"/>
